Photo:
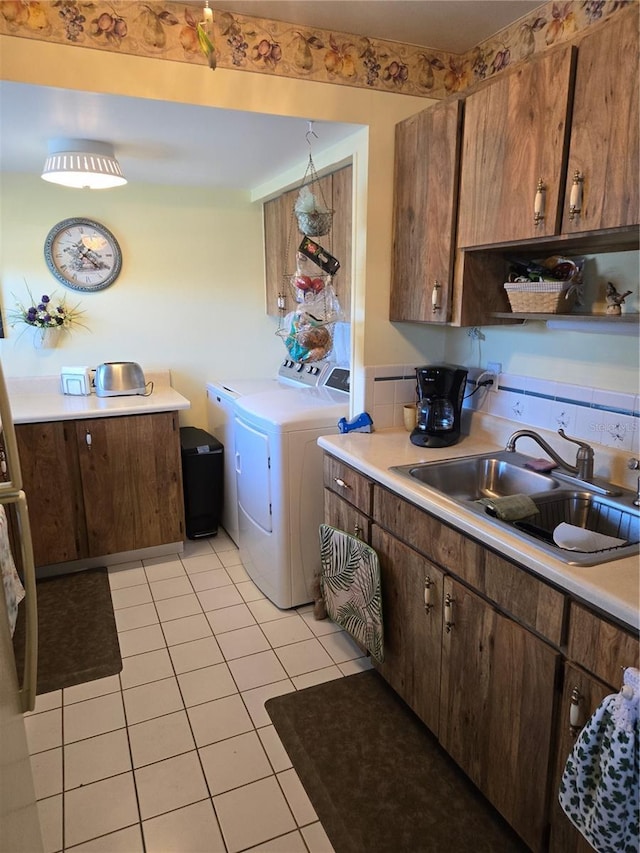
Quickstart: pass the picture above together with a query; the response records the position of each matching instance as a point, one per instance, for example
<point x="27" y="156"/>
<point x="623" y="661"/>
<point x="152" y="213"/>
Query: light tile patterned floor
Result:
<point x="177" y="753"/>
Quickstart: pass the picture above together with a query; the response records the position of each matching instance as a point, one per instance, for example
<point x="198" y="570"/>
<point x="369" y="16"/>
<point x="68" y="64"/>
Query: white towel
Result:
<point x="350" y="582"/>
<point x="13" y="589"/>
<point x="575" y="538"/>
<point x="599" y="786"/>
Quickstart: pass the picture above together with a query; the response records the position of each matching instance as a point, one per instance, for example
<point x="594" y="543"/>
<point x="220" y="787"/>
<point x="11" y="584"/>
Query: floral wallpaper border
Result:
<point x="168" y="31"/>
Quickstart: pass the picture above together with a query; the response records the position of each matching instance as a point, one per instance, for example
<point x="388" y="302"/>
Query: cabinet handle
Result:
<point x="448" y="613"/>
<point x="435" y="297"/>
<point x="539" y="202"/>
<point x="88" y="439"/>
<point x="282" y="301"/>
<point x="3" y="464"/>
<point x="357" y="531"/>
<point x="576" y="721"/>
<point x="340" y="482"/>
<point x="428" y="604"/>
<point x="575" y="199"/>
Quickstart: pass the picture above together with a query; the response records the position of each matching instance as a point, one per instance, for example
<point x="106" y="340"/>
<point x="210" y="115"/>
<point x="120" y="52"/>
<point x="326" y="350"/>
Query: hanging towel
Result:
<point x="350" y="581"/>
<point x="13" y="589"/>
<point x="599" y="786"/>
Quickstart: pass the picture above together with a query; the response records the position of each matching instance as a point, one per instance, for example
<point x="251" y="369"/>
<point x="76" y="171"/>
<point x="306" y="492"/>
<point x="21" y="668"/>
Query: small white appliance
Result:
<point x="75" y="381"/>
<point x="119" y="379"/>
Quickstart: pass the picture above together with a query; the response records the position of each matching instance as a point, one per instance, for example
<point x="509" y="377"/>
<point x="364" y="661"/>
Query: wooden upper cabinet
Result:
<point x="604" y="139"/>
<point x="427" y="149"/>
<point x="340" y="240"/>
<point x="515" y="133"/>
<point x="282" y="238"/>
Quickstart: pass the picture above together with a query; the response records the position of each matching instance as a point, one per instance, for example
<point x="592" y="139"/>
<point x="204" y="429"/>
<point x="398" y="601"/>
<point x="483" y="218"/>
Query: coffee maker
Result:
<point x="440" y="393"/>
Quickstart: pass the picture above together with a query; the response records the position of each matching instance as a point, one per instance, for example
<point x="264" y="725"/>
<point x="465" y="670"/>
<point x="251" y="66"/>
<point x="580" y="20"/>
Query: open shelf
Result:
<point x="587" y="318"/>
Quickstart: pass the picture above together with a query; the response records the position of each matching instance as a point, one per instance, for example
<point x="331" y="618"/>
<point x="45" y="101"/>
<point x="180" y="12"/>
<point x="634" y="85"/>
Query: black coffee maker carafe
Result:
<point x="440" y="394"/>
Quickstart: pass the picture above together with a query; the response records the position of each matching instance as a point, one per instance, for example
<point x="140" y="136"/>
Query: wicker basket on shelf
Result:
<point x="541" y="297"/>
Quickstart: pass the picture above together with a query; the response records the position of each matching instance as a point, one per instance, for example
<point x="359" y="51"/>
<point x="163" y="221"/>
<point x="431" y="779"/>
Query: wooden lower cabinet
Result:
<point x="496" y="707"/>
<point x="51" y="477"/>
<point x="344" y="516"/>
<point x="102" y="486"/>
<point x="412" y="617"/>
<point x="589" y="693"/>
<point x="490" y="663"/>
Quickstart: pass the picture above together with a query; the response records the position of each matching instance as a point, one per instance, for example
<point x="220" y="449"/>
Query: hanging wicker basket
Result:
<point x="315" y="223"/>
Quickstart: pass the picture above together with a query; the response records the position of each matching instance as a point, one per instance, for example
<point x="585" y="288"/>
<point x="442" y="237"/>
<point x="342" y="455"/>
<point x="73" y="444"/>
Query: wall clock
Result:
<point x="83" y="254"/>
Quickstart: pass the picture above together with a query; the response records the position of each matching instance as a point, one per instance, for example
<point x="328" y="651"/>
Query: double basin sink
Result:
<point x="558" y="498"/>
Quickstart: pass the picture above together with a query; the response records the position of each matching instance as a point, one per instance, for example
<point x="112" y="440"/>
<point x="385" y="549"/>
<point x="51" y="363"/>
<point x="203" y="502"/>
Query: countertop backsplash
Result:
<point x="609" y="420"/>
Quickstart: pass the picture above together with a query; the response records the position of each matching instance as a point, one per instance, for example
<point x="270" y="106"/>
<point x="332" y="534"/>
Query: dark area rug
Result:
<point x="378" y="779"/>
<point x="77" y="636"/>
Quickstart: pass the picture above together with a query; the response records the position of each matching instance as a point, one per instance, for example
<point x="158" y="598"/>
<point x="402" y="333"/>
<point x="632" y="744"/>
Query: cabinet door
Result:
<point x="589" y="693"/>
<point x="49" y="463"/>
<point x="281" y="240"/>
<point x="604" y="136"/>
<point x="132" y="481"/>
<point x="515" y="133"/>
<point x="340" y="245"/>
<point x="497" y="699"/>
<point x="412" y="614"/>
<point x="426" y="186"/>
<point x="338" y="513"/>
<point x="348" y="483"/>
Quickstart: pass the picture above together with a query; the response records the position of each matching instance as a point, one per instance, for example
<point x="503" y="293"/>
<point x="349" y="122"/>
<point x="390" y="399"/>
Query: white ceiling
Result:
<point x="224" y="148"/>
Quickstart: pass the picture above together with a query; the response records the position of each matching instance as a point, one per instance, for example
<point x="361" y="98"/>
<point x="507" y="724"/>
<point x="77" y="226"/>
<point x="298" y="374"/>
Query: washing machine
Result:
<point x="221" y="398"/>
<point x="278" y="468"/>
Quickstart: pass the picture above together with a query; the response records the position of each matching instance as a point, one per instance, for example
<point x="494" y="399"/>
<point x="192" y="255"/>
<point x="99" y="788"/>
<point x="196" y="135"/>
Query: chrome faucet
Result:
<point x="583" y="469"/>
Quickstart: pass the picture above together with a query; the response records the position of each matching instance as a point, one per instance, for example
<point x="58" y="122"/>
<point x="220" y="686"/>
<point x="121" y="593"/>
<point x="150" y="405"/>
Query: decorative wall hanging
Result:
<point x="83" y="254"/>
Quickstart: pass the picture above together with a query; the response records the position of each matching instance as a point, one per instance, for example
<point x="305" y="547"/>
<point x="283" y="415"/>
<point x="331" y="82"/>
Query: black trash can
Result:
<point x="202" y="481"/>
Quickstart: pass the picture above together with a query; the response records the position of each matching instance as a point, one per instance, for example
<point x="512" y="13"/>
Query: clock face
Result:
<point x="82" y="254"/>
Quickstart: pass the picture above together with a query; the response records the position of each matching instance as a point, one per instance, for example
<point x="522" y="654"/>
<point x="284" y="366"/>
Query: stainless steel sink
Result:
<point x="491" y="475"/>
<point x="583" y="509"/>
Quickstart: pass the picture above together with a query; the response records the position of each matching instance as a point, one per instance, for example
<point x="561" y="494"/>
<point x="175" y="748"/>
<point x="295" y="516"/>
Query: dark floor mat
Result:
<point x="377" y="778"/>
<point x="77" y="636"/>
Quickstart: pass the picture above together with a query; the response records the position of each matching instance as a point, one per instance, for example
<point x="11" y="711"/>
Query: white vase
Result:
<point x="46" y="337"/>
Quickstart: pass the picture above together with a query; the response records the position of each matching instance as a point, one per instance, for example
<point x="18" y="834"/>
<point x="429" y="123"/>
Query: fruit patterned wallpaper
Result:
<point x="168" y="31"/>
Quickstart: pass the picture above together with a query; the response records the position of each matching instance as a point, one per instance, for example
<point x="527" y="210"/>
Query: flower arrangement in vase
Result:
<point x="49" y="317"/>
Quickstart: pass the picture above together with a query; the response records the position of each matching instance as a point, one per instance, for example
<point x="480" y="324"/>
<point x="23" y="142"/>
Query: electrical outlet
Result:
<point x="495" y="369"/>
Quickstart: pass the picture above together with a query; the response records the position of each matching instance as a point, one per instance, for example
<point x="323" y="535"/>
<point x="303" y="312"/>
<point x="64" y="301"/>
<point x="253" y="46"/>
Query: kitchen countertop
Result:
<point x="39" y="399"/>
<point x="612" y="587"/>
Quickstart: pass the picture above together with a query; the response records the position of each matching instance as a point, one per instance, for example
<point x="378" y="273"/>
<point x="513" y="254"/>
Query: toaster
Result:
<point x="119" y="378"/>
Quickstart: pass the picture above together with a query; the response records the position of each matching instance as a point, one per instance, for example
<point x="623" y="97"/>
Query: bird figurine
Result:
<point x="615" y="299"/>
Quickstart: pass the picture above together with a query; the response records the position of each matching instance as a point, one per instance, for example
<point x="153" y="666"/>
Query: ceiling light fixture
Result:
<point x="82" y="164"/>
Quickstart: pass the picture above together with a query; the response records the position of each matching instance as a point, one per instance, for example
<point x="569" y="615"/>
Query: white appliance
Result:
<point x="278" y="467"/>
<point x="220" y="408"/>
<point x="18" y="808"/>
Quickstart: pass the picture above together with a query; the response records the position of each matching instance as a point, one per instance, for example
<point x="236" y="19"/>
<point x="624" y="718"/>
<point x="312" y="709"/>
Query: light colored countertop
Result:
<point x="39" y="399"/>
<point x="612" y="587"/>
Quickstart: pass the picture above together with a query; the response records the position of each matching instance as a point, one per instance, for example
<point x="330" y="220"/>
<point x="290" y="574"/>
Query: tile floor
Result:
<point x="177" y="752"/>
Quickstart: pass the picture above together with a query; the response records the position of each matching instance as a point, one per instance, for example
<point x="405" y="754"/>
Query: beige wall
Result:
<point x="227" y="279"/>
<point x="42" y="63"/>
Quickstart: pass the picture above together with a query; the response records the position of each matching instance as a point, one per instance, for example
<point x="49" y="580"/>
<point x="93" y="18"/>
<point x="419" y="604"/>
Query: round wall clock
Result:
<point x="83" y="254"/>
